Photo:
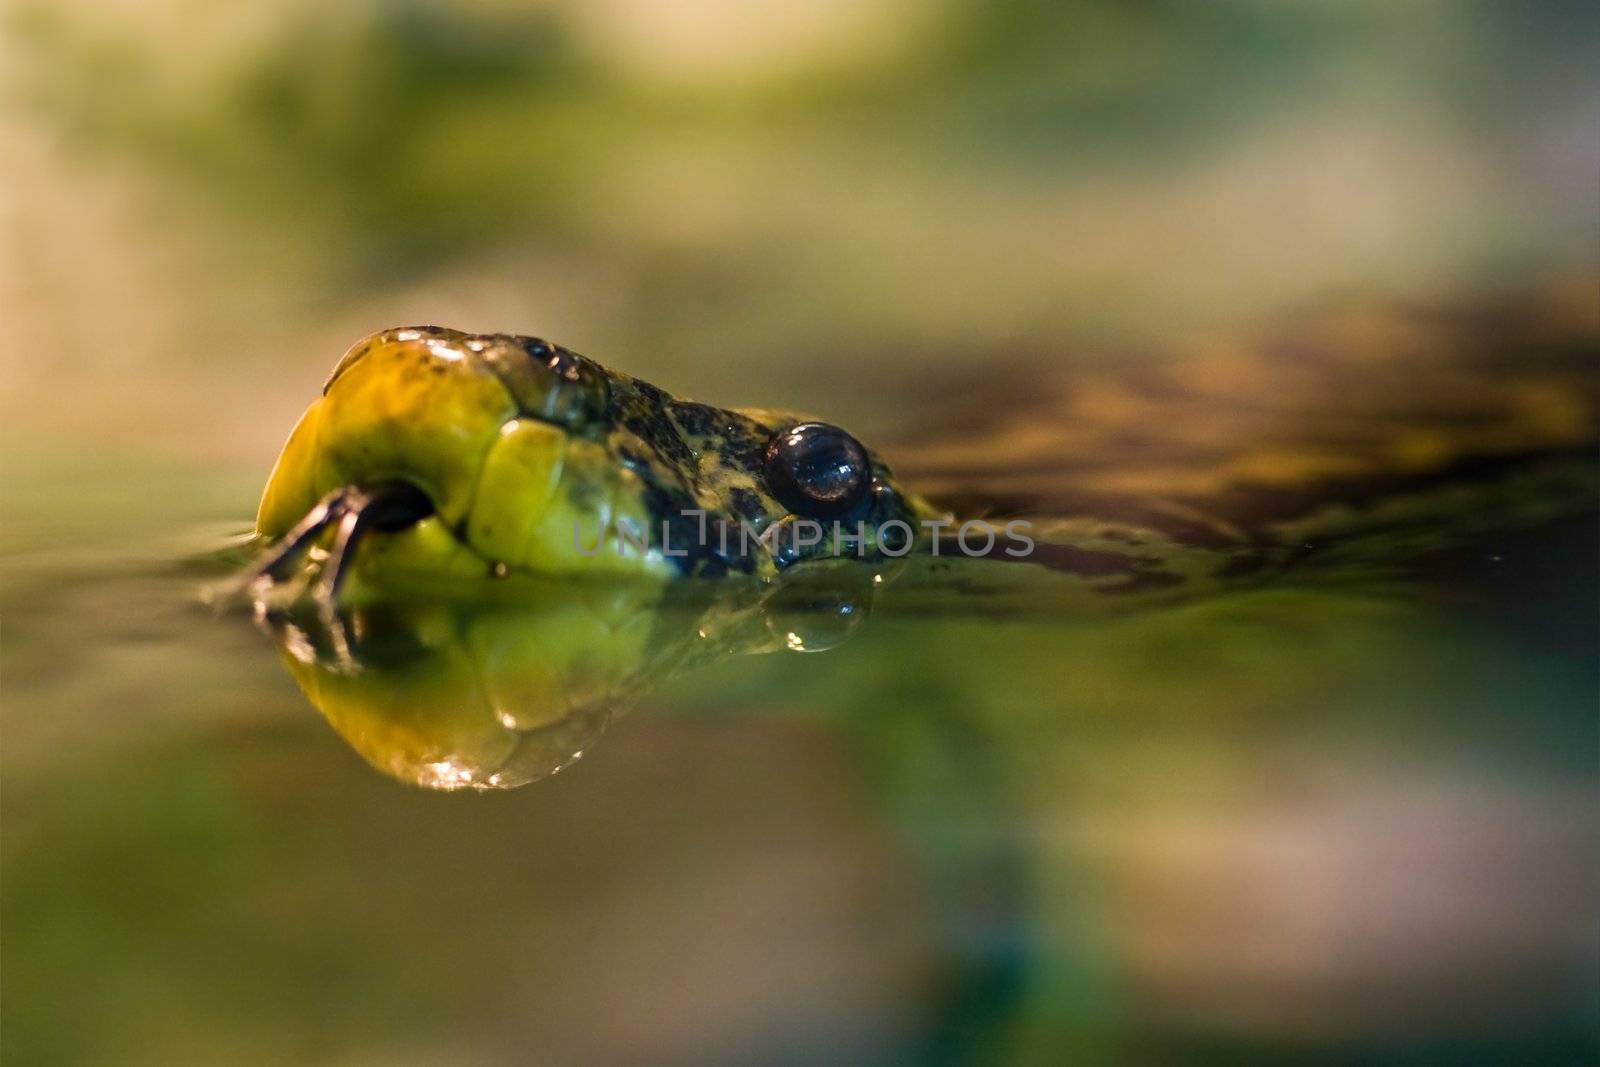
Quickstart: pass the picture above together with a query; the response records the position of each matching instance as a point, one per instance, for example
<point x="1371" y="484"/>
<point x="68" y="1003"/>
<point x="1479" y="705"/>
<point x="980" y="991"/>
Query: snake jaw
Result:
<point x="350" y="512"/>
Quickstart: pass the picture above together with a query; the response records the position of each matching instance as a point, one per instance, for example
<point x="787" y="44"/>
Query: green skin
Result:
<point x="528" y="452"/>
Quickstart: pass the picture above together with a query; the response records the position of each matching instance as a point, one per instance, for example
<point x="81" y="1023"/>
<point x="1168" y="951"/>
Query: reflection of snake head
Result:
<point x="478" y="454"/>
<point x="458" y="695"/>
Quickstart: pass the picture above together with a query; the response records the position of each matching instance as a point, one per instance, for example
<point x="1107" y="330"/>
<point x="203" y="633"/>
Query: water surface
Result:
<point x="1319" y="818"/>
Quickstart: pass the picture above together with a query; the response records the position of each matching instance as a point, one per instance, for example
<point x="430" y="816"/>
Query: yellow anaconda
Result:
<point x="465" y="456"/>
<point x="1352" y="444"/>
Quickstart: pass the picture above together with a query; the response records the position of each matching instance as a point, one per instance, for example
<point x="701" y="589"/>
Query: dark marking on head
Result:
<point x="701" y="420"/>
<point x="746" y="503"/>
<point x="744" y="445"/>
<point x="641" y="408"/>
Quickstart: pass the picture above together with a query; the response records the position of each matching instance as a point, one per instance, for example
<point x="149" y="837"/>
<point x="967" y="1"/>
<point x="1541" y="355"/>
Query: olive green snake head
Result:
<point x="456" y="456"/>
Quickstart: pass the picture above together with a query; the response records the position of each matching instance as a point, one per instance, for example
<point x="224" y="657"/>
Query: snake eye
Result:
<point x="549" y="382"/>
<point x="818" y="470"/>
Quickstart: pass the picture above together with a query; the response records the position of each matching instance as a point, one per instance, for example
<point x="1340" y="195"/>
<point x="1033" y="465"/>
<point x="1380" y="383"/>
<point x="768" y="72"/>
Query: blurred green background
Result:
<point x="746" y="202"/>
<point x="1168" y="838"/>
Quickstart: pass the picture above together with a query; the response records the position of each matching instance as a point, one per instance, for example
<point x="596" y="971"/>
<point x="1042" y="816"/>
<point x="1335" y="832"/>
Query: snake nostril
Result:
<point x="549" y="382"/>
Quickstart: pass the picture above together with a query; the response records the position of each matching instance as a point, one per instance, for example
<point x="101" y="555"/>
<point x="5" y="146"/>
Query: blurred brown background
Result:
<point x="804" y="205"/>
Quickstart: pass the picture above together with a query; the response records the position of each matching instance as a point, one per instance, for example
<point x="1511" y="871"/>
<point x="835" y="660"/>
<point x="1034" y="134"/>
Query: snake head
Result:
<point x="479" y="454"/>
